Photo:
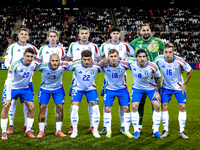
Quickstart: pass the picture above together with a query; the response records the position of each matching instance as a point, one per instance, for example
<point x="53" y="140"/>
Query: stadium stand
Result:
<point x="177" y="25"/>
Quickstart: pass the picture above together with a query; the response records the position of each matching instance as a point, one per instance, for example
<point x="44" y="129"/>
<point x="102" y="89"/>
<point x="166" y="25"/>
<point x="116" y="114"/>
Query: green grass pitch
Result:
<point x="85" y="140"/>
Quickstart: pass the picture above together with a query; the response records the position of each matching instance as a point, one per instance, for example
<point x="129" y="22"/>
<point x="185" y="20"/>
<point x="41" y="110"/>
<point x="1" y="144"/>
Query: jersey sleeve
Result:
<point x="129" y="49"/>
<point x="41" y="66"/>
<point x="98" y="66"/>
<point x="130" y="61"/>
<point x="35" y="50"/>
<point x="125" y="64"/>
<point x="74" y="65"/>
<point x="9" y="55"/>
<point x="154" y="69"/>
<point x="63" y="52"/>
<point x="66" y="65"/>
<point x="101" y="49"/>
<point x="96" y="50"/>
<point x="40" y="53"/>
<point x="70" y="51"/>
<point x="186" y="67"/>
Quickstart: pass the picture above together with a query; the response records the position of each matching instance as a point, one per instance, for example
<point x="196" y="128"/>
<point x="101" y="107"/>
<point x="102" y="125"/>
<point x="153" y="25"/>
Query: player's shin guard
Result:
<point x="4" y="123"/>
<point x="121" y="114"/>
<point x="165" y="120"/>
<point x="127" y="120"/>
<point x="90" y="112"/>
<point x="12" y="112"/>
<point x="74" y="117"/>
<point x="135" y="120"/>
<point x="25" y="114"/>
<point x="156" y="120"/>
<point x="95" y="117"/>
<point x="29" y="124"/>
<point x="107" y="120"/>
<point x="182" y="120"/>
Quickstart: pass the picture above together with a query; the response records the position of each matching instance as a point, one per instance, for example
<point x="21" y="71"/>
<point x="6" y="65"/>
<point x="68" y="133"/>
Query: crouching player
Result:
<point x="116" y="87"/>
<point x="143" y="82"/>
<point x="52" y="85"/>
<point x="85" y="72"/>
<point x="173" y="83"/>
<point x="21" y="72"/>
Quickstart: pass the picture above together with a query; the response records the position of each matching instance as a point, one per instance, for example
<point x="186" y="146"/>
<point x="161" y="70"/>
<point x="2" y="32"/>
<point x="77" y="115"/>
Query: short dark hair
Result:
<point x="169" y="45"/>
<point x="141" y="51"/>
<point x="83" y="28"/>
<point x="30" y="50"/>
<point x="86" y="53"/>
<point x="115" y="29"/>
<point x="111" y="51"/>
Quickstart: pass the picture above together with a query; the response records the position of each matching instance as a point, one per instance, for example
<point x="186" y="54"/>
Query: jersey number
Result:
<point x="140" y="75"/>
<point x="114" y="75"/>
<point x="169" y="72"/>
<point x="26" y="75"/>
<point x="86" y="77"/>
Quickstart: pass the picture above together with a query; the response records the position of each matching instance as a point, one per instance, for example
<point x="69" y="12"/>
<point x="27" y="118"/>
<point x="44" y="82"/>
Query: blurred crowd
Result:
<point x="171" y="25"/>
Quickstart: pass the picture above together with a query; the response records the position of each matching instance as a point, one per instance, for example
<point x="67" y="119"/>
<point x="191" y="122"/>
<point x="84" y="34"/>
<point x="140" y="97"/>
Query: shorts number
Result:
<point x="26" y="75"/>
<point x="114" y="75"/>
<point x="86" y="77"/>
<point x="169" y="72"/>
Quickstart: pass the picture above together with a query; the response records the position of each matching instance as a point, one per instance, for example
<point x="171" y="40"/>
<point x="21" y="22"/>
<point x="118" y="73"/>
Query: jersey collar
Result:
<point x="172" y="60"/>
<point x="81" y="44"/>
<point x="50" y="67"/>
<point x="54" y="47"/>
<point x="88" y="67"/>
<point x="20" y="44"/>
<point x="116" y="44"/>
<point x="147" y="62"/>
<point x="22" y="61"/>
<point x="111" y="66"/>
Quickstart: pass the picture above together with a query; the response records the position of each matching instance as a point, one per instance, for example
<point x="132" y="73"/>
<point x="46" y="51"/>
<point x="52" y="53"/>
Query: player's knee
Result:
<point x="164" y="106"/>
<point x="31" y="107"/>
<point x="126" y="109"/>
<point x="182" y="108"/>
<point x="108" y="109"/>
<point x="157" y="107"/>
<point x="134" y="107"/>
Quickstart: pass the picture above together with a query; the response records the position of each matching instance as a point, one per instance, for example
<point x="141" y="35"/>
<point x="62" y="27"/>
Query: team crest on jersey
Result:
<point x="174" y="68"/>
<point x="60" y="72"/>
<point x="120" y="71"/>
<point x="92" y="71"/>
<point x="146" y="73"/>
<point x="89" y="48"/>
<point x="31" y="69"/>
<point x="120" y="48"/>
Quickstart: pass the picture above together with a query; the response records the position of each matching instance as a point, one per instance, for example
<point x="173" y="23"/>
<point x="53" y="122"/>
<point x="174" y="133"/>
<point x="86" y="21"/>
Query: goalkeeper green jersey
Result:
<point x="152" y="46"/>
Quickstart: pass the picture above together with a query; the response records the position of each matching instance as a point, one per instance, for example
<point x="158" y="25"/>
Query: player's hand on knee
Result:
<point x="7" y="103"/>
<point x="157" y="97"/>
